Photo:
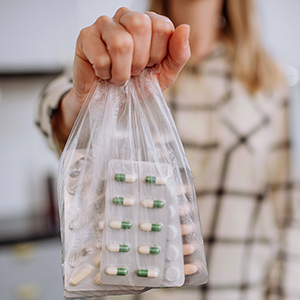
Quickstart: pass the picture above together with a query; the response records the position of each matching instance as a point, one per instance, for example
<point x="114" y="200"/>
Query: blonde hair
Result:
<point x="251" y="64"/>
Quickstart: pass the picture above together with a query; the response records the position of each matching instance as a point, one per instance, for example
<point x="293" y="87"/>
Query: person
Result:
<point x="230" y="106"/>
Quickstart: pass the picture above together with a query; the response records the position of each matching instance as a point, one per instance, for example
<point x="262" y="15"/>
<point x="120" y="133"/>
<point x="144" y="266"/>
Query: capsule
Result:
<point x="188" y="249"/>
<point x="150" y="227"/>
<point x="117" y="248"/>
<point x="116" y="224"/>
<point x="147" y="273"/>
<point x="115" y="271"/>
<point x="153" y="203"/>
<point x="155" y="180"/>
<point x="148" y="250"/>
<point x="125" y="177"/>
<point x="184" y="210"/>
<point x="190" y="269"/>
<point x="125" y="201"/>
<point x="80" y="275"/>
<point x="187" y="228"/>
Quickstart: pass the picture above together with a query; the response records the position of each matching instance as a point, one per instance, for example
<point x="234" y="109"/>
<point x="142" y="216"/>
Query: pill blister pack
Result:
<point x="134" y="229"/>
<point x="142" y="243"/>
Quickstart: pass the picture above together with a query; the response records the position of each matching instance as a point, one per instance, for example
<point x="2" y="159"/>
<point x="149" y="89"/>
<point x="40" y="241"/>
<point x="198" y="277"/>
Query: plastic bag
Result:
<point x="128" y="209"/>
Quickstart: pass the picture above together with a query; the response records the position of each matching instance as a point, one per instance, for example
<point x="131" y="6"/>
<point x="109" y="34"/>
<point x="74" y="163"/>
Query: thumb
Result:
<point x="178" y="55"/>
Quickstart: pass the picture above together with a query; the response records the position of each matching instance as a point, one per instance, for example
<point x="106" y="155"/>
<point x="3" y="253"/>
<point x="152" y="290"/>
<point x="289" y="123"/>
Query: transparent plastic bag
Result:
<point x="128" y="209"/>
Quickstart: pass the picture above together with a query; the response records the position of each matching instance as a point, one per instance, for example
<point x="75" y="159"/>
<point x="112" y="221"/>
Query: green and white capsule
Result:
<point x="155" y="180"/>
<point x="148" y="250"/>
<point x="125" y="201"/>
<point x="117" y="248"/>
<point x="150" y="227"/>
<point x="115" y="271"/>
<point x="149" y="203"/>
<point x="151" y="273"/>
<point x="116" y="224"/>
<point x="125" y="177"/>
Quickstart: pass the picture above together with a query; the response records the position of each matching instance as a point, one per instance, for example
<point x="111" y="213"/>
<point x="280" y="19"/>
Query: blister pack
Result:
<point x="129" y="215"/>
<point x="139" y="196"/>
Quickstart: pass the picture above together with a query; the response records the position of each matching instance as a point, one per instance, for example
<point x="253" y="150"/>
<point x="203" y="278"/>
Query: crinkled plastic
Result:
<point x="128" y="209"/>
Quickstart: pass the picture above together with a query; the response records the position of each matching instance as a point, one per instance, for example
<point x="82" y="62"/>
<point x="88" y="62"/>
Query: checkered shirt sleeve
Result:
<point x="48" y="101"/>
<point x="284" y="192"/>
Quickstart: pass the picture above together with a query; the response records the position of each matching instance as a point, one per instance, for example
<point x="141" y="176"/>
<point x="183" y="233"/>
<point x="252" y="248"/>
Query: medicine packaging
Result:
<point x="128" y="209"/>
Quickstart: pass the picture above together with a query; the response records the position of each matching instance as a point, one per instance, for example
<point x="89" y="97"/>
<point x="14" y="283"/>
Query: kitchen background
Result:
<point x="37" y="40"/>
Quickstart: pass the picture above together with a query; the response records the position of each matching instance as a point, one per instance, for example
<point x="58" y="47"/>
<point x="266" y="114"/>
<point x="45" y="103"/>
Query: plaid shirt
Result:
<point x="238" y="148"/>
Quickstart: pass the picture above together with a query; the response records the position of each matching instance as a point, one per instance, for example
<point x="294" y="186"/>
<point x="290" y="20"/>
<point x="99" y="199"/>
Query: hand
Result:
<point x="120" y="47"/>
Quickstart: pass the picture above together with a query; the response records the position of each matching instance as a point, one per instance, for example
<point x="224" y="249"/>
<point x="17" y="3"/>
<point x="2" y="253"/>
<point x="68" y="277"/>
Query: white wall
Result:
<point x="280" y="28"/>
<point x="40" y="35"/>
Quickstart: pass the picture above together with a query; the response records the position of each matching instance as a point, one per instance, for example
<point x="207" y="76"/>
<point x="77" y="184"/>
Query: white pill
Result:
<point x="80" y="275"/>
<point x="172" y="274"/>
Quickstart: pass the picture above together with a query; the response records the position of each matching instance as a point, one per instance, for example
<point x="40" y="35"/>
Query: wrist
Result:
<point x="63" y="119"/>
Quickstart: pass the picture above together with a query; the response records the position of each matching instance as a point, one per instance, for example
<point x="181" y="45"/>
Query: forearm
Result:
<point x="64" y="118"/>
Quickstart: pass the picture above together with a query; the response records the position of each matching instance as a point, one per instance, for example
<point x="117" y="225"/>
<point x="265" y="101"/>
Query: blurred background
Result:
<point x="37" y="41"/>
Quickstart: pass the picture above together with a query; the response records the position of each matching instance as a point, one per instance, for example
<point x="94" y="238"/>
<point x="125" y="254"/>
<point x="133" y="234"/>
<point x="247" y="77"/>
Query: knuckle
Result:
<point x="102" y="62"/>
<point x="138" y="22"/>
<point x="122" y="10"/>
<point x="163" y="26"/>
<point x="102" y="20"/>
<point x="121" y="43"/>
<point x="84" y="33"/>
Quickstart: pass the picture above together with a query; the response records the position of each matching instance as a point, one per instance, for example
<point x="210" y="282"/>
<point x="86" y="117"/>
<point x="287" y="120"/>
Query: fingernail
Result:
<point x="187" y="38"/>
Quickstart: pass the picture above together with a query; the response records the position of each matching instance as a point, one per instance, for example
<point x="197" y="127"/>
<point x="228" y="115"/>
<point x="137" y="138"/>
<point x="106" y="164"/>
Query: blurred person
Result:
<point x="230" y="105"/>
